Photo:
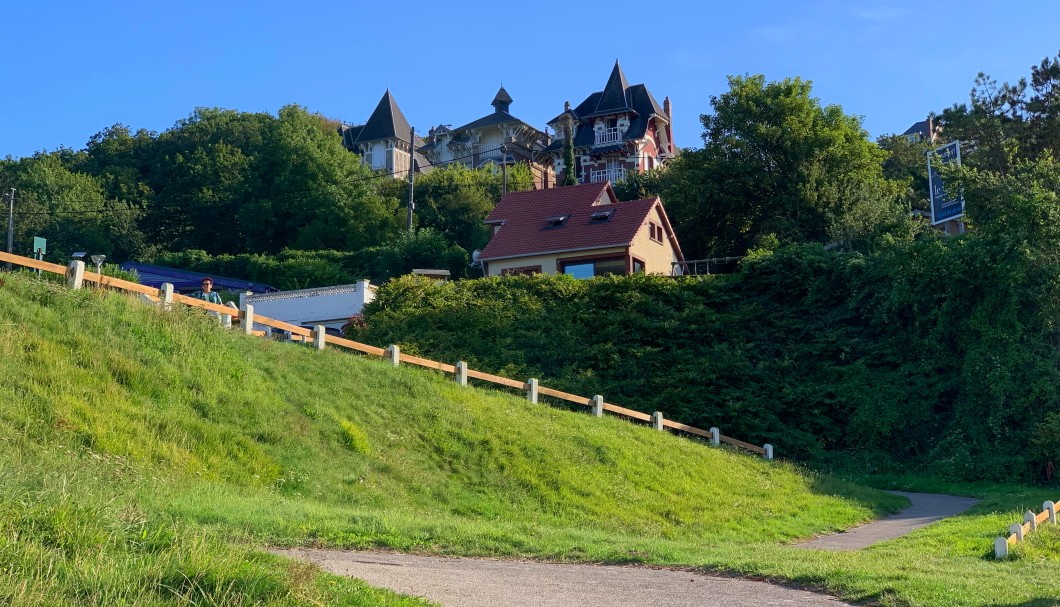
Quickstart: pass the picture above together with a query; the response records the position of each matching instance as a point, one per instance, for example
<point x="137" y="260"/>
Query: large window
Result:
<point x="599" y="267"/>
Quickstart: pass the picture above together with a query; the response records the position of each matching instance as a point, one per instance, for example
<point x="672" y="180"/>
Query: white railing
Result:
<point x="613" y="175"/>
<point x="608" y="136"/>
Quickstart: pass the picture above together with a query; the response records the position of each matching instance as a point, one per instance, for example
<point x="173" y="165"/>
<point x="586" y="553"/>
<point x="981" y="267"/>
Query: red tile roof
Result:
<point x="523" y="216"/>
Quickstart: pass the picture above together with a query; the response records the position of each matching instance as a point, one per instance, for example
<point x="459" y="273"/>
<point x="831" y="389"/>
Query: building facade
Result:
<point x="495" y="138"/>
<point x="581" y="230"/>
<point x="385" y="142"/>
<point x="616" y="131"/>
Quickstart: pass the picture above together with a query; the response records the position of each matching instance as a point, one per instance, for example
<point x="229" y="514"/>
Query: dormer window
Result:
<point x="556" y="221"/>
<point x="601" y="216"/>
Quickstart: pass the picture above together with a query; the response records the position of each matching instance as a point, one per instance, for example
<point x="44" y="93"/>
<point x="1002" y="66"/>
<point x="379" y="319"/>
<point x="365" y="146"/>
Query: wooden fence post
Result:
<point x="393" y="352"/>
<point x="715" y="437"/>
<point x="75" y="277"/>
<point x="657" y="420"/>
<point x="248" y="319"/>
<point x="598" y="405"/>
<point x="1000" y="547"/>
<point x="318" y="337"/>
<point x="769" y="451"/>
<point x="531" y="390"/>
<point x="1050" y="507"/>
<point x="165" y="295"/>
<point x="461" y="373"/>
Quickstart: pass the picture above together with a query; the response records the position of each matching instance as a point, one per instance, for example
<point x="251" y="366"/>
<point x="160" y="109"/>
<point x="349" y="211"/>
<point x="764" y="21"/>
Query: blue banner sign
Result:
<point x="943" y="207"/>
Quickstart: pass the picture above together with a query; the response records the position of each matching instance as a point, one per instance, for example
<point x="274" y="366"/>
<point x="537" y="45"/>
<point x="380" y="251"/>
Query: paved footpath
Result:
<point x="926" y="508"/>
<point x="454" y="582"/>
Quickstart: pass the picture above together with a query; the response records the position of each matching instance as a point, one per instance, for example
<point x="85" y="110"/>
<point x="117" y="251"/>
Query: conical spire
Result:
<point x="614" y="96"/>
<point x="502" y="100"/>
<point x="386" y="122"/>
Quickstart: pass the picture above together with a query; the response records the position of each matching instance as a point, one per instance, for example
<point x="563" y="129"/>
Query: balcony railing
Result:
<point x="613" y="175"/>
<point x="608" y="136"/>
<point x="490" y="151"/>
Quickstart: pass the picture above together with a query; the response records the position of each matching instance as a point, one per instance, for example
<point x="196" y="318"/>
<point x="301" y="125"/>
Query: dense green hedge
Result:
<point x="930" y="354"/>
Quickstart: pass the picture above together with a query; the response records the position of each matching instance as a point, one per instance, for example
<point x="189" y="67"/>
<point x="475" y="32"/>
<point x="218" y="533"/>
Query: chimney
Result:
<point x="666" y="108"/>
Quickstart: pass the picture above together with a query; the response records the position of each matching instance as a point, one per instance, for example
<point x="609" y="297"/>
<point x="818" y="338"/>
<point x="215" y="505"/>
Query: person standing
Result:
<point x="206" y="293"/>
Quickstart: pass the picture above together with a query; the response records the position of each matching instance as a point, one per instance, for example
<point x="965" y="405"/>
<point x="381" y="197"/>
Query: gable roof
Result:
<point x="523" y="217"/>
<point x="386" y="122"/>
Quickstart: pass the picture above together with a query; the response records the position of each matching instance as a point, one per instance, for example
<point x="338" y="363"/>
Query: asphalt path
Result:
<point x="925" y="508"/>
<point x="459" y="582"/>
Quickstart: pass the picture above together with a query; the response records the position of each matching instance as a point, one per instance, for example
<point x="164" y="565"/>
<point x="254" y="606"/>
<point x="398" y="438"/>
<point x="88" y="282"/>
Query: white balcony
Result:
<point x="608" y="136"/>
<point x="613" y="175"/>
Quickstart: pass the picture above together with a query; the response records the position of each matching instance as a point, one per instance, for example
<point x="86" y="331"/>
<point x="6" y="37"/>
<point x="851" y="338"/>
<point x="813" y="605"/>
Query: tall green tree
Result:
<point x="776" y="163"/>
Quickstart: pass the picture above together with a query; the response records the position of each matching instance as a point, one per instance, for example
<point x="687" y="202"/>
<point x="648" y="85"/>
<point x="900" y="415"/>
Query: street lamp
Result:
<point x="98" y="260"/>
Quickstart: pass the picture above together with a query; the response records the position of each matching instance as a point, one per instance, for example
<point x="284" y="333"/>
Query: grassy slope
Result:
<point x="177" y="447"/>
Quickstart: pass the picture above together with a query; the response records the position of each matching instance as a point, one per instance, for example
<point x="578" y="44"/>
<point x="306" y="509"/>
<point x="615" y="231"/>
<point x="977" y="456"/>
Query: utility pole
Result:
<point x="504" y="167"/>
<point x="10" y="224"/>
<point x="412" y="166"/>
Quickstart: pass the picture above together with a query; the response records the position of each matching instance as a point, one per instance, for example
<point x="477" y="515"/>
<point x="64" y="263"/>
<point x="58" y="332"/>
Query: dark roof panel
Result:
<point x="386" y="122"/>
<point x="186" y="280"/>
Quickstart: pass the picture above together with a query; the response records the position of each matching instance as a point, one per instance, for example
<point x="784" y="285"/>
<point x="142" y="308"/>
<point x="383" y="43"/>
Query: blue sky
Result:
<point x="74" y="68"/>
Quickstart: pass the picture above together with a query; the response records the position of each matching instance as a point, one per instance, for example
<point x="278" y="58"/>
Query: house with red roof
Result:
<point x="582" y="230"/>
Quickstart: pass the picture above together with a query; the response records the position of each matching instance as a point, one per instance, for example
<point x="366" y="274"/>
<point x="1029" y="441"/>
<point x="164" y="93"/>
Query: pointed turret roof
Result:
<point x="614" y="97"/>
<point x="386" y="122"/>
<point x="502" y="100"/>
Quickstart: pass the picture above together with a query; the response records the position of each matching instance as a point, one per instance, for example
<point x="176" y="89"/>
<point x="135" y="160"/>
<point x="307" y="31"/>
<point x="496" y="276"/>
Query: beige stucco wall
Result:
<point x="658" y="258"/>
<point x="548" y="262"/>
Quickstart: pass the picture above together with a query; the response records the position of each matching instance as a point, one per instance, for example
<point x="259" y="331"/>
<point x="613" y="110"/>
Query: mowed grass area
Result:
<point x="146" y="458"/>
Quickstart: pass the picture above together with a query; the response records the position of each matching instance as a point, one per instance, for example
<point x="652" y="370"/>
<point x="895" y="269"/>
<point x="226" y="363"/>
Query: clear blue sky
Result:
<point x="73" y="68"/>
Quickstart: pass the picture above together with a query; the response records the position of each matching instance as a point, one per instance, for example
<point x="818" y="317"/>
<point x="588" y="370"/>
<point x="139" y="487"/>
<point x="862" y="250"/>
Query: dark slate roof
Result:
<point x="386" y="122"/>
<point x="919" y="128"/>
<point x="523" y="215"/>
<point x="615" y="96"/>
<point x="502" y="100"/>
<point x="186" y="280"/>
<point x="636" y="100"/>
<point x="494" y="118"/>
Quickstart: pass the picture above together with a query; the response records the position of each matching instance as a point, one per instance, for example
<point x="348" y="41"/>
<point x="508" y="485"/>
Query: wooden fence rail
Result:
<point x="76" y="276"/>
<point x="1018" y="531"/>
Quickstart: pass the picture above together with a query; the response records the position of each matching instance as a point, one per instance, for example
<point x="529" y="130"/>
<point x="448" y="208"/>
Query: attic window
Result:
<point x="601" y="216"/>
<point x="556" y="221"/>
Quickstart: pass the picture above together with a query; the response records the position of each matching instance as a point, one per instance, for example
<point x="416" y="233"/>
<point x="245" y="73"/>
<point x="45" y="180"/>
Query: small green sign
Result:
<point x="40" y="246"/>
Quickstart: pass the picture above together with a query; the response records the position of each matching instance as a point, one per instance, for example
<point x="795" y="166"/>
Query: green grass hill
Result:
<point x="149" y="457"/>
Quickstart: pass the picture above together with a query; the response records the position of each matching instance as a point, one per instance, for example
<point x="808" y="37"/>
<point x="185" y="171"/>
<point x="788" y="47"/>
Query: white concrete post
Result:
<point x="531" y="390"/>
<point x="461" y="373"/>
<point x="393" y="352"/>
<point x="1018" y="530"/>
<point x="715" y="437"/>
<point x="268" y="331"/>
<point x="75" y="277"/>
<point x="165" y="294"/>
<point x="1000" y="547"/>
<point x="248" y="319"/>
<point x="1029" y="517"/>
<point x="318" y="337"/>
<point x="226" y="319"/>
<point x="657" y="420"/>
<point x="769" y="451"/>
<point x="598" y="405"/>
<point x="1050" y="507"/>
